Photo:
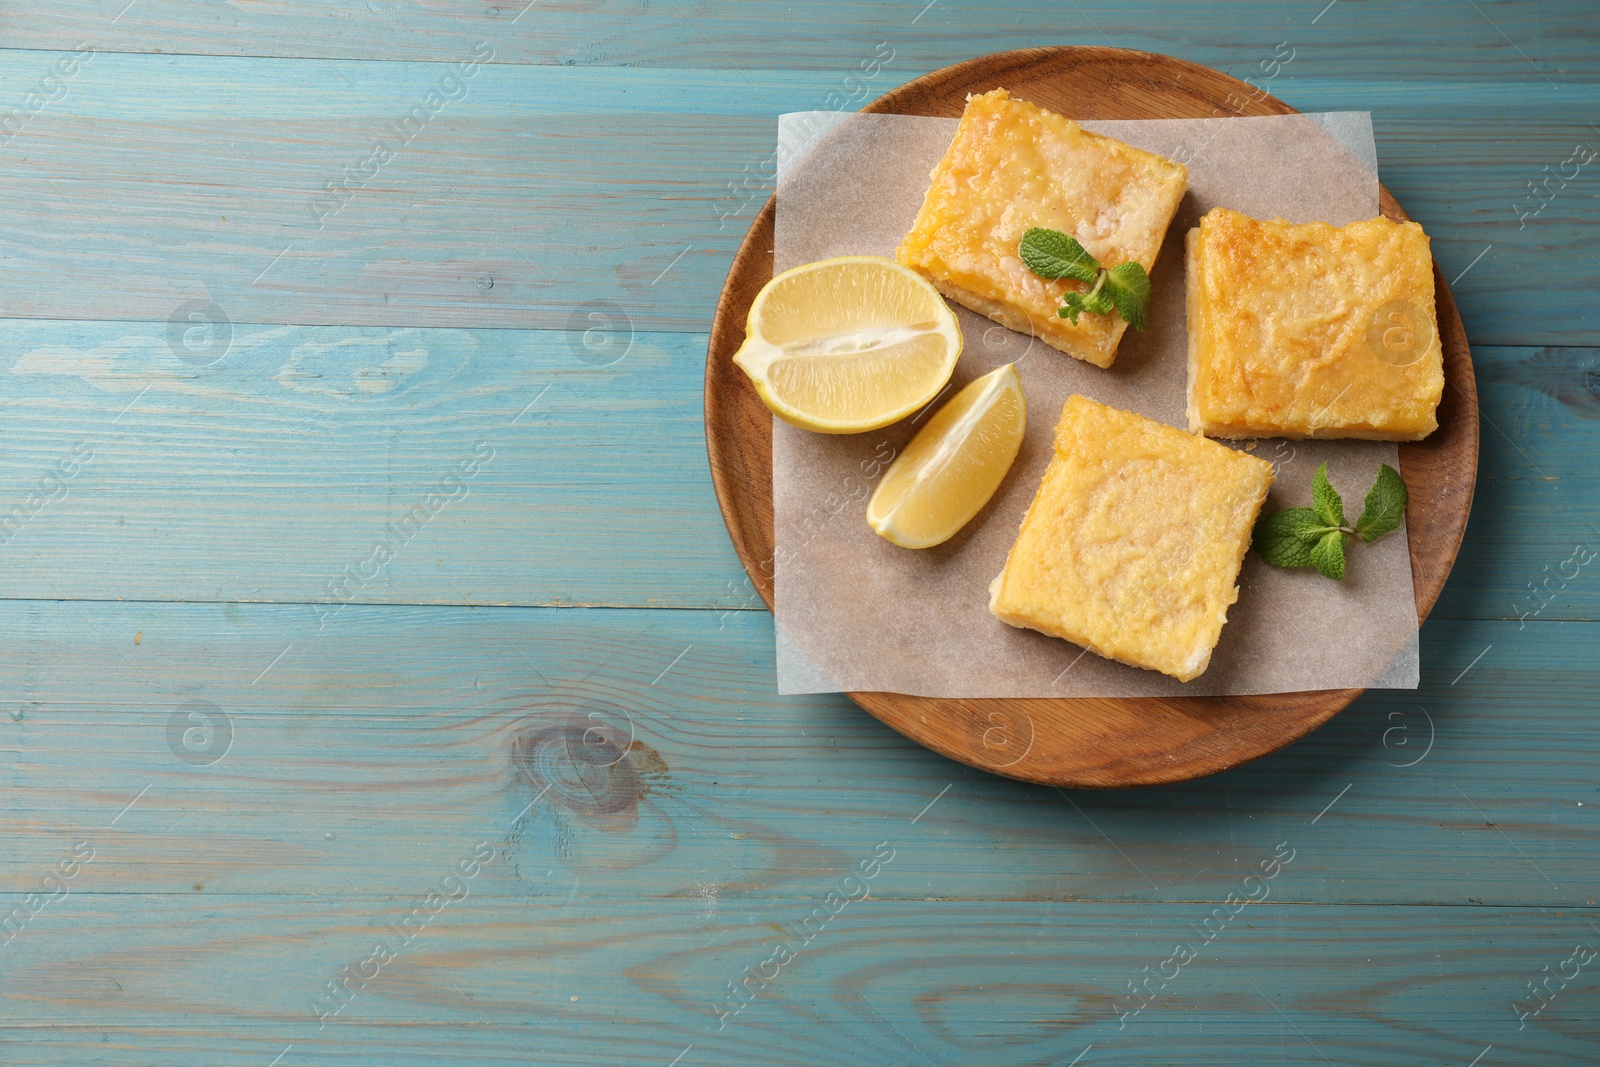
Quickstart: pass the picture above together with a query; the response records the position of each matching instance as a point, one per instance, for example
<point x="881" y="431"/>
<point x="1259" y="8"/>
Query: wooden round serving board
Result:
<point x="1088" y="742"/>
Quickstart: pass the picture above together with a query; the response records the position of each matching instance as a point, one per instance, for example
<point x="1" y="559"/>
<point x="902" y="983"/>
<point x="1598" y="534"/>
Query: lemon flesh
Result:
<point x="953" y="465"/>
<point x="848" y="344"/>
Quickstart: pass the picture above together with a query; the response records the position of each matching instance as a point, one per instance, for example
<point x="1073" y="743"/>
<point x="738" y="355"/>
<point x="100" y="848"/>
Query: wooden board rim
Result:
<point x="982" y="733"/>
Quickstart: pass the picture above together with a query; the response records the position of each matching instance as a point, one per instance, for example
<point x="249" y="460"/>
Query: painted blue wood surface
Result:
<point x="127" y="200"/>
<point x="275" y="749"/>
<point x="318" y="440"/>
<point x="1355" y="40"/>
<point x="393" y="724"/>
<point x="232" y="981"/>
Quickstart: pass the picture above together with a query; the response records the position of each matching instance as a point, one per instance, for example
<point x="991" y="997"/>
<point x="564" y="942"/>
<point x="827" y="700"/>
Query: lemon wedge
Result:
<point x="953" y="465"/>
<point x="848" y="344"/>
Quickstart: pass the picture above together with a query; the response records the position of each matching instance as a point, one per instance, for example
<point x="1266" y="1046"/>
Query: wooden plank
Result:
<point x="507" y="980"/>
<point x="241" y="749"/>
<point x="129" y="199"/>
<point x="272" y="472"/>
<point x="1532" y="549"/>
<point x="1438" y="37"/>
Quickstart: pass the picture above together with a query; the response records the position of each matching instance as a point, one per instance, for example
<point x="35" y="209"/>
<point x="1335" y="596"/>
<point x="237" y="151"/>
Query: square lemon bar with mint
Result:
<point x="1133" y="543"/>
<point x="1012" y="167"/>
<point x="1312" y="330"/>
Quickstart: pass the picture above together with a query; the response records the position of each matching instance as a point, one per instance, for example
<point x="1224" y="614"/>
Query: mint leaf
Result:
<point x="1277" y="541"/>
<point x="1386" y="505"/>
<point x="1327" y="555"/>
<point x="1325" y="499"/>
<point x="1312" y="529"/>
<point x="1052" y="254"/>
<point x="1129" y="288"/>
<point x="1074" y="304"/>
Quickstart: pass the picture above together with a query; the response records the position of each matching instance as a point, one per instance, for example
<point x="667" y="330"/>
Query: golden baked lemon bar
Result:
<point x="1133" y="543"/>
<point x="1013" y="166"/>
<point x="1311" y="330"/>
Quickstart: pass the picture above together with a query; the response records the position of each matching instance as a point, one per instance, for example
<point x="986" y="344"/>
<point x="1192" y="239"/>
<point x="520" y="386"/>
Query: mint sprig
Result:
<point x="1124" y="289"/>
<point x="1316" y="536"/>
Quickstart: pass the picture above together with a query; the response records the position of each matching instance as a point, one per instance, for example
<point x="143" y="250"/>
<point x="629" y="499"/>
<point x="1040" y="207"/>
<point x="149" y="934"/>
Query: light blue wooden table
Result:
<point x="355" y="519"/>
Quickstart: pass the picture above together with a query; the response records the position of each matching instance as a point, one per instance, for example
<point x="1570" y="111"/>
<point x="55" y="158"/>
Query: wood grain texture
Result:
<point x="1096" y="742"/>
<point x="267" y="474"/>
<point x="275" y="471"/>
<point x="128" y="199"/>
<point x="357" y="757"/>
<point x="1554" y="36"/>
<point x="624" y="168"/>
<point x="993" y="983"/>
<point x="1534" y="528"/>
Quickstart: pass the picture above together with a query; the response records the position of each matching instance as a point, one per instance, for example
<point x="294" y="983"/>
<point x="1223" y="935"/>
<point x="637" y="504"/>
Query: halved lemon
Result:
<point x="953" y="465"/>
<point x="848" y="344"/>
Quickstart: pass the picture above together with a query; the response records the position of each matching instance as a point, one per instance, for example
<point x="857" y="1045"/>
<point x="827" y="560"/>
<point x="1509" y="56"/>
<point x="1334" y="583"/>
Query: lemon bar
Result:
<point x="1311" y="330"/>
<point x="1013" y="166"/>
<point x="1133" y="543"/>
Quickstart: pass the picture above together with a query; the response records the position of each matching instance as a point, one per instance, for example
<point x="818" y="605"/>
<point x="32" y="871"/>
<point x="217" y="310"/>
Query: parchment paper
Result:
<point x="855" y="612"/>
